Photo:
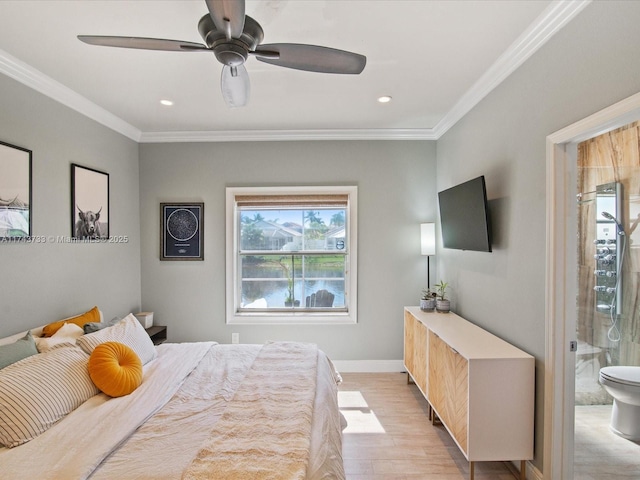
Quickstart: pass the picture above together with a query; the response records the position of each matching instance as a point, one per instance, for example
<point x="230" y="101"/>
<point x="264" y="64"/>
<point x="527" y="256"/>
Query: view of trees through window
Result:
<point x="288" y="255"/>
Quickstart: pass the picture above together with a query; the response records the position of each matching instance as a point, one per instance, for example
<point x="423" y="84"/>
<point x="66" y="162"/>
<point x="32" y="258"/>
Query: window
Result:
<point x="291" y="254"/>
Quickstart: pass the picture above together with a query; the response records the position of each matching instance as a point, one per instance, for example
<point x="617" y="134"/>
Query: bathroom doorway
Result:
<point x="608" y="320"/>
<point x="571" y="441"/>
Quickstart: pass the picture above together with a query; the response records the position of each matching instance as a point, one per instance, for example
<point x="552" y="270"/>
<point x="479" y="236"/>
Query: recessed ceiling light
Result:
<point x="166" y="103"/>
<point x="384" y="99"/>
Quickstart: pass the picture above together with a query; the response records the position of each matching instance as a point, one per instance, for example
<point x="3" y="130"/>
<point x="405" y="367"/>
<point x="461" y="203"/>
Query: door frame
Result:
<point x="561" y="279"/>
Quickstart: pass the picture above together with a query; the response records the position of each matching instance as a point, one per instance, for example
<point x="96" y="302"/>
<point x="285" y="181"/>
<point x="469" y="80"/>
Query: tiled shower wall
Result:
<point x="611" y="157"/>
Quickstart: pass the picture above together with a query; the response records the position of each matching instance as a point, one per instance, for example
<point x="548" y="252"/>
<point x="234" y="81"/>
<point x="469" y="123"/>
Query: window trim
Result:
<point x="233" y="316"/>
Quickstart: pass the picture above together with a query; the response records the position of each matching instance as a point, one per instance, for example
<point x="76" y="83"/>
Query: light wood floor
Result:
<point x="389" y="435"/>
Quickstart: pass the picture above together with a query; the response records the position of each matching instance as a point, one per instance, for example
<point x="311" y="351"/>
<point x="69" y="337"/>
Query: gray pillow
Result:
<point x="95" y="326"/>
<point x="23" y="348"/>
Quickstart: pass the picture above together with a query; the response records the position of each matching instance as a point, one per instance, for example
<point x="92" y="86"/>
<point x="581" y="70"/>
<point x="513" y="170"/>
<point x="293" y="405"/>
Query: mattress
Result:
<point x="156" y="431"/>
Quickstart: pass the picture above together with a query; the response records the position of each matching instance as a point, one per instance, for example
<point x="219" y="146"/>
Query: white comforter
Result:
<point x="155" y="432"/>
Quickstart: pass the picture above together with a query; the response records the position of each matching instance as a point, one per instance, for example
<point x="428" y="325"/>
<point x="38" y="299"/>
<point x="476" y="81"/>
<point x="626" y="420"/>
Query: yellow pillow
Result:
<point x="115" y="369"/>
<point x="91" y="316"/>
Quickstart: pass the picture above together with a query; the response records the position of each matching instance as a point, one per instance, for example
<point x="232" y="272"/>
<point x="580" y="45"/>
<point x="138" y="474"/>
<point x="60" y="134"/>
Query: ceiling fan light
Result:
<point x="235" y="86"/>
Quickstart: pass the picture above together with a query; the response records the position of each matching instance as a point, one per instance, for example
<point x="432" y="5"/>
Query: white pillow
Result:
<point x="68" y="333"/>
<point x="40" y="390"/>
<point x="127" y="331"/>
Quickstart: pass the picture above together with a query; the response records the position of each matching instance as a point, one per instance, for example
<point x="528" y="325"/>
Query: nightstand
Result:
<point x="157" y="333"/>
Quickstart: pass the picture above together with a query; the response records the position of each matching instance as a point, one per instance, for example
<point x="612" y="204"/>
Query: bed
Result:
<point x="202" y="411"/>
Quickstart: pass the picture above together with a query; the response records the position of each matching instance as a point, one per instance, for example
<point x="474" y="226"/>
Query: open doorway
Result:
<point x="562" y="281"/>
<point x="607" y="322"/>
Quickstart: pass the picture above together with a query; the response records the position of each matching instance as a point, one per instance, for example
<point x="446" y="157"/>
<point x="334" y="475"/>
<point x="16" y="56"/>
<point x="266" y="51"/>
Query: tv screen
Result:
<point x="464" y="216"/>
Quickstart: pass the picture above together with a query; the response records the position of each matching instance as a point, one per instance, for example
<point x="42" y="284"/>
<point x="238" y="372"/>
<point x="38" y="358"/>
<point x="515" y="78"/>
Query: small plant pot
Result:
<point x="428" y="305"/>
<point x="443" y="306"/>
<point x="295" y="303"/>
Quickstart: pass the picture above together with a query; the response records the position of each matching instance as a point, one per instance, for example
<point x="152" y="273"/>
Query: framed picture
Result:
<point x="15" y="192"/>
<point x="89" y="203"/>
<point x="181" y="231"/>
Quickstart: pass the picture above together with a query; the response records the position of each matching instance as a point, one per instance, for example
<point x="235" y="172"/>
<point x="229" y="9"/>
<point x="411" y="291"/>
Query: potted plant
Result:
<point x="443" y="305"/>
<point x="428" y="300"/>
<point x="289" y="301"/>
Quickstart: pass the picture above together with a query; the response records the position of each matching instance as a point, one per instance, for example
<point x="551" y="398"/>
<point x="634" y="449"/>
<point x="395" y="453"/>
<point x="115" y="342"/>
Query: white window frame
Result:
<point x="233" y="316"/>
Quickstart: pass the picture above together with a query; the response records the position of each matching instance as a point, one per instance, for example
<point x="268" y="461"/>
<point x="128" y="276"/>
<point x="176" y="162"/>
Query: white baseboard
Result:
<point x="369" y="366"/>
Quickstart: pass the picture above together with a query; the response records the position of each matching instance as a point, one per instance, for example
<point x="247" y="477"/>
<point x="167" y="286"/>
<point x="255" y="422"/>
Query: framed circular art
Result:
<point x="181" y="231"/>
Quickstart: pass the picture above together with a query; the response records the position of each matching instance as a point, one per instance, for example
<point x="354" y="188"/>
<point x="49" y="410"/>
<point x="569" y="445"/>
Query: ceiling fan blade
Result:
<point x="235" y="86"/>
<point x="312" y="58"/>
<point x="142" y="43"/>
<point x="228" y="16"/>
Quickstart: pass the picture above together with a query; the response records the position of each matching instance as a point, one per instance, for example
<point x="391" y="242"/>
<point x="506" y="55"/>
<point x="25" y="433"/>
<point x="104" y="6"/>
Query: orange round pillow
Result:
<point x="115" y="369"/>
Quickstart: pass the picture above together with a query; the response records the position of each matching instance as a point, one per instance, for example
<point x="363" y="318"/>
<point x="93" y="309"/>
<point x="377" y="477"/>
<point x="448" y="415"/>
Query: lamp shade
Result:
<point x="428" y="238"/>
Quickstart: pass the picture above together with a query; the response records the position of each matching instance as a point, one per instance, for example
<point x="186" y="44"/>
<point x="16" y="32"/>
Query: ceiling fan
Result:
<point x="232" y="36"/>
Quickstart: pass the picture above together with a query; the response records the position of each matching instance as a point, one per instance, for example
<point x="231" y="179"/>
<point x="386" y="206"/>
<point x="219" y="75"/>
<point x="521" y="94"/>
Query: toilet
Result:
<point x="623" y="384"/>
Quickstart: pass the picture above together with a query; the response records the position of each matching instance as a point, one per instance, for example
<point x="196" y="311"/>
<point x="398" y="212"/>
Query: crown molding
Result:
<point x="288" y="135"/>
<point x="29" y="76"/>
<point x="556" y="16"/>
<point x="33" y="78"/>
<point x="548" y="23"/>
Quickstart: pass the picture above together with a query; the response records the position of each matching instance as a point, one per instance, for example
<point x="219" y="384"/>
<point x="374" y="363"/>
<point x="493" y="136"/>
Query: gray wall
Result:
<point x="46" y="282"/>
<point x="396" y="192"/>
<point x="591" y="64"/>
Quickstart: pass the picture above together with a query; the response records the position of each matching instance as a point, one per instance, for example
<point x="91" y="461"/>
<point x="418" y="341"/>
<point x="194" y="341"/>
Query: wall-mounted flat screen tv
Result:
<point x="464" y="216"/>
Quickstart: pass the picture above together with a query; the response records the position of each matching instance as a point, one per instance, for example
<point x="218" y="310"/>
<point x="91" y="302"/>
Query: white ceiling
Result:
<point x="435" y="58"/>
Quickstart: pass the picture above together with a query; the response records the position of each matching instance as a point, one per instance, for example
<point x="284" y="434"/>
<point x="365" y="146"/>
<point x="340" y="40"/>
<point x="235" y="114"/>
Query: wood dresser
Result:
<point x="480" y="387"/>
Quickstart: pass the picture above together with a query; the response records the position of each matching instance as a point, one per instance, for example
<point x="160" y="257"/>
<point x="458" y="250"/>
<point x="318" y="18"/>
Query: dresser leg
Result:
<point x="472" y="466"/>
<point x="523" y="470"/>
<point x="434" y="417"/>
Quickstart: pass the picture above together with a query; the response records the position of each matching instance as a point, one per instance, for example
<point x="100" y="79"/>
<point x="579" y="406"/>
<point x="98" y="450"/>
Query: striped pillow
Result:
<point x="127" y="331"/>
<point x="40" y="390"/>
